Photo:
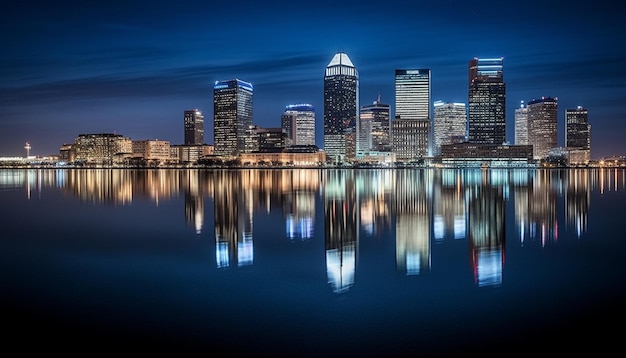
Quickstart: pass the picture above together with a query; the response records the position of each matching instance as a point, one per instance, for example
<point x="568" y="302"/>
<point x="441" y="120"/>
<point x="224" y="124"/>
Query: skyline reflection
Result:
<point x="417" y="209"/>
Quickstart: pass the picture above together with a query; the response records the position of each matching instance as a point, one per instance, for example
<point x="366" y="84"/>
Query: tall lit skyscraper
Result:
<point x="341" y="105"/>
<point x="194" y="127"/>
<point x="374" y="127"/>
<point x="232" y="116"/>
<point x="411" y="126"/>
<point x="298" y="122"/>
<point x="542" y="126"/>
<point x="578" y="135"/>
<point x="487" y="101"/>
<point x="449" y="124"/>
<point x="521" y="124"/>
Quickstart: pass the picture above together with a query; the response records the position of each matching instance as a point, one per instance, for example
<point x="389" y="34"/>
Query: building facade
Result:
<point x="341" y="105"/>
<point x="521" y="124"/>
<point x="232" y="116"/>
<point x="298" y="122"/>
<point x="102" y="148"/>
<point x="578" y="135"/>
<point x="542" y="126"/>
<point x="449" y="124"/>
<point x="487" y="101"/>
<point x="194" y="127"/>
<point x="152" y="150"/>
<point x="374" y="127"/>
<point x="271" y="139"/>
<point x="410" y="129"/>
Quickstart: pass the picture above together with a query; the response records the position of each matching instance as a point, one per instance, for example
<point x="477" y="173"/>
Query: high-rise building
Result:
<point x="298" y="122"/>
<point x="449" y="124"/>
<point x="374" y="127"/>
<point x="194" y="127"/>
<point x="341" y="105"/>
<point x="521" y="124"/>
<point x="542" y="126"/>
<point x="232" y="116"/>
<point x="410" y="129"/>
<point x="487" y="101"/>
<point x="578" y="135"/>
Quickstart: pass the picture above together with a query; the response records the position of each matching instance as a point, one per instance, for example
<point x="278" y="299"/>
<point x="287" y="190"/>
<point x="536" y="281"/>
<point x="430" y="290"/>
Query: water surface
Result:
<point x="309" y="262"/>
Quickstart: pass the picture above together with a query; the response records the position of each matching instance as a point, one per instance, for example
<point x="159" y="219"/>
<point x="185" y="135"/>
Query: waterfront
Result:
<point x="304" y="262"/>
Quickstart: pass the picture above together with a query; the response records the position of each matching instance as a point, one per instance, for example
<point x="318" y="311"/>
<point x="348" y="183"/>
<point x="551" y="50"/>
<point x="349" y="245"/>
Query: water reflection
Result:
<point x="415" y="208"/>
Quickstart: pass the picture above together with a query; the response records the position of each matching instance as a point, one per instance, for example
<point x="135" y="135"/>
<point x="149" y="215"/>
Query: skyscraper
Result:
<point x="578" y="135"/>
<point x="298" y="122"/>
<point x="449" y="124"/>
<point x="194" y="127"/>
<point x="487" y="101"/>
<point x="374" y="127"/>
<point x="542" y="126"/>
<point x="521" y="124"/>
<point x="411" y="126"/>
<point x="232" y="116"/>
<point x="341" y="104"/>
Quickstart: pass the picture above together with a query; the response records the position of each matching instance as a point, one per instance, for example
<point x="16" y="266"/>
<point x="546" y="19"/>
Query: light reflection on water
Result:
<point x="456" y="229"/>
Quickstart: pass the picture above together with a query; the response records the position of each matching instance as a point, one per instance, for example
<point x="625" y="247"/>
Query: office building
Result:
<point x="102" y="148"/>
<point x="542" y="126"/>
<point x="449" y="124"/>
<point x="374" y="127"/>
<point x="270" y="139"/>
<point x="521" y="124"/>
<point x="151" y="150"/>
<point x="194" y="127"/>
<point x="232" y="116"/>
<point x="341" y="105"/>
<point x="298" y="122"/>
<point x="410" y="129"/>
<point x="578" y="135"/>
<point x="486" y="101"/>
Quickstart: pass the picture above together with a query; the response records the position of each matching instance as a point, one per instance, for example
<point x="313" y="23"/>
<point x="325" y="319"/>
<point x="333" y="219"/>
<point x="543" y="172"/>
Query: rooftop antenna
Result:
<point x="27" y="147"/>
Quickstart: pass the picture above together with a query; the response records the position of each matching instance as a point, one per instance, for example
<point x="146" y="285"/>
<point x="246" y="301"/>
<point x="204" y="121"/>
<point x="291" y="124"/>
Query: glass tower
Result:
<point x="194" y="127"/>
<point x="578" y="131"/>
<point x="487" y="101"/>
<point x="578" y="135"/>
<point x="232" y="116"/>
<point x="341" y="104"/>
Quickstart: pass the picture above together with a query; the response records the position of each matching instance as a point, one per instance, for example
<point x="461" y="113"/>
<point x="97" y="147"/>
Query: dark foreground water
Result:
<point x="313" y="262"/>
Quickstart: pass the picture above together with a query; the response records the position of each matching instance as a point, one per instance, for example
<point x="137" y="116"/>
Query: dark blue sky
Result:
<point x="133" y="67"/>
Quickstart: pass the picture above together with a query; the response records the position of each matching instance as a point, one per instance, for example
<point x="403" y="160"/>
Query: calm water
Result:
<point x="313" y="262"/>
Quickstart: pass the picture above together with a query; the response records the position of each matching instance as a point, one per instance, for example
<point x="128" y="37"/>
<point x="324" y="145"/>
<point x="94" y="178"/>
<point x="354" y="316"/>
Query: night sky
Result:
<point x="133" y="67"/>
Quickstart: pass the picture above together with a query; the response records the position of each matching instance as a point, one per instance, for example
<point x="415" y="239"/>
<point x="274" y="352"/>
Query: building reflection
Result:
<point x="233" y="220"/>
<point x="101" y="185"/>
<point x="486" y="226"/>
<point x="424" y="206"/>
<point x="299" y="188"/>
<point x="341" y="233"/>
<point x="543" y="208"/>
<point x="449" y="213"/>
<point x="194" y="199"/>
<point x="412" y="212"/>
<point x="577" y="199"/>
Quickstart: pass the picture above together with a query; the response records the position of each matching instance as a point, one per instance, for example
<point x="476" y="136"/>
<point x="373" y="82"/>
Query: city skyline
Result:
<point x="134" y="70"/>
